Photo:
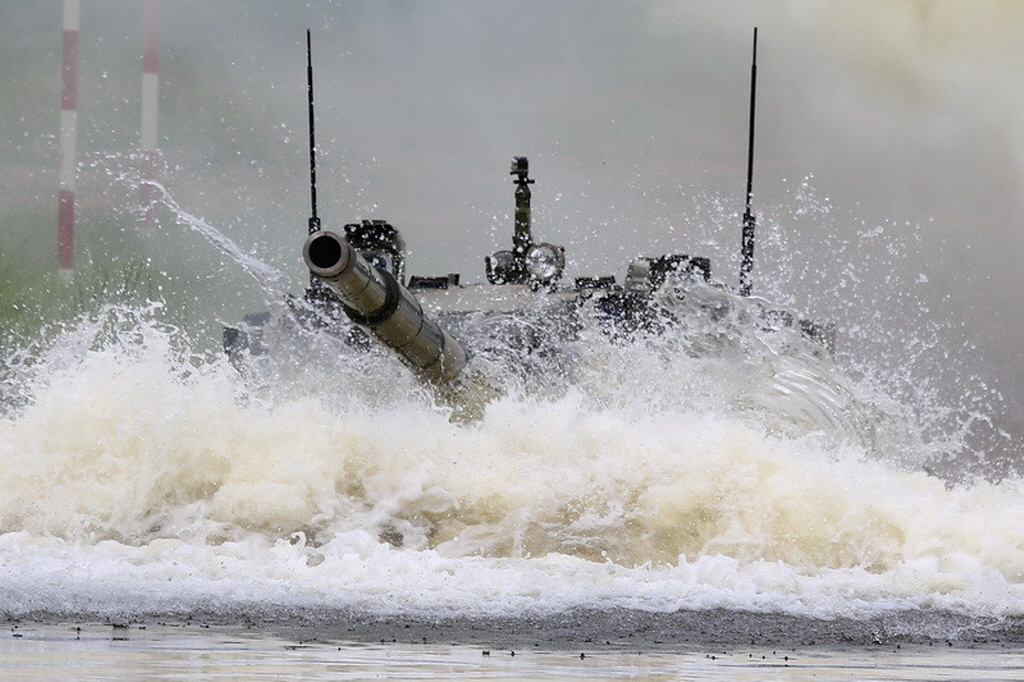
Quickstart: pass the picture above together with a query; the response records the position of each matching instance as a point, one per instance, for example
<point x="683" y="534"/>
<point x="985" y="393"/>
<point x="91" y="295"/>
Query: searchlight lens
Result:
<point x="544" y="262"/>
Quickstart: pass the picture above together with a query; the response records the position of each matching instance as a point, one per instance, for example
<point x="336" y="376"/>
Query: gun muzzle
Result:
<point x="376" y="301"/>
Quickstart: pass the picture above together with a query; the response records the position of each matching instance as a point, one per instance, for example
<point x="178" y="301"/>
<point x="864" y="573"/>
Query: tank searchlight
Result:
<point x="376" y="301"/>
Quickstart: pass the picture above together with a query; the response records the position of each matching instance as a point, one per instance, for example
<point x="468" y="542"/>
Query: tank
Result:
<point x="521" y="314"/>
<point x="462" y="339"/>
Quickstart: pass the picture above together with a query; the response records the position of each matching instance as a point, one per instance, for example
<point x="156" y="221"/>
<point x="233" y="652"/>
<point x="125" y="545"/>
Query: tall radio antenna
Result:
<point x="749" y="221"/>
<point x="314" y="220"/>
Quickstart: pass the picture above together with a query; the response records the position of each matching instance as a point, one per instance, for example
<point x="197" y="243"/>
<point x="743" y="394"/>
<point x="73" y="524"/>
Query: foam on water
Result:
<point x="139" y="479"/>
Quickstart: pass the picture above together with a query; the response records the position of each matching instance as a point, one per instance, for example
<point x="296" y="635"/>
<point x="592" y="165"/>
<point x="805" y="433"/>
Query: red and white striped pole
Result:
<point x="68" y="139"/>
<point x="150" y="101"/>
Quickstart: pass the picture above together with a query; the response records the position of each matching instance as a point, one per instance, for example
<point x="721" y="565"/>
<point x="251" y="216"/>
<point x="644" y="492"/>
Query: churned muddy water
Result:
<point x="186" y="524"/>
<point x="655" y="513"/>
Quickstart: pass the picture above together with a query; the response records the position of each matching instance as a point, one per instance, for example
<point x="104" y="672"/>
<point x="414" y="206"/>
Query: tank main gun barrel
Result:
<point x="375" y="300"/>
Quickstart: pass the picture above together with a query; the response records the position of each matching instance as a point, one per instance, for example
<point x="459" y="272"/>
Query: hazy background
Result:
<point x="888" y="177"/>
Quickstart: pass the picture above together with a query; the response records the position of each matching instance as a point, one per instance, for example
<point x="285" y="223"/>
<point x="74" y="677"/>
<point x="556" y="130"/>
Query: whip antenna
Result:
<point x="747" y="240"/>
<point x="314" y="221"/>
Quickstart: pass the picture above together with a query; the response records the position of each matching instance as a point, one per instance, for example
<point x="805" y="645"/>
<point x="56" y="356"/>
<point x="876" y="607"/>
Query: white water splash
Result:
<point x="140" y="478"/>
<point x="137" y="480"/>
